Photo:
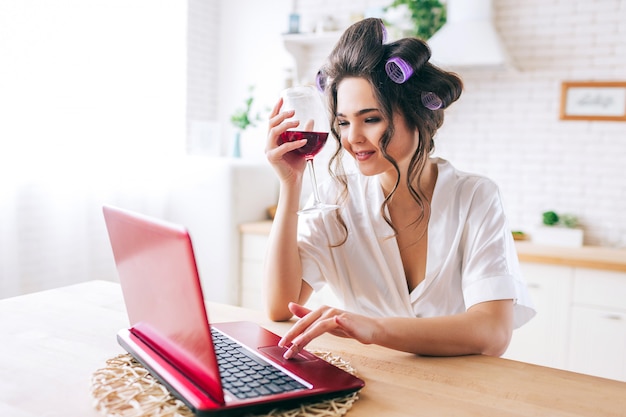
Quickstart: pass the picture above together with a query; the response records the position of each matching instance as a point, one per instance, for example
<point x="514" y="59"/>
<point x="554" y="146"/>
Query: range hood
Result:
<point x="469" y="37"/>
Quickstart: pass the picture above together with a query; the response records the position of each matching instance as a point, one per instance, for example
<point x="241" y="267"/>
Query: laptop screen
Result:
<point x="154" y="259"/>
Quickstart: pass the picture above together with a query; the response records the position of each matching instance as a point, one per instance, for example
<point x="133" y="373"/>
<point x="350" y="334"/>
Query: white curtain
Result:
<point x="92" y="108"/>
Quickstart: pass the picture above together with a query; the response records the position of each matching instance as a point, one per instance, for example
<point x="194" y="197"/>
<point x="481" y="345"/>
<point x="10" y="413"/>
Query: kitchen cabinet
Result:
<point x="543" y="340"/>
<point x="598" y="342"/>
<point x="254" y="238"/>
<point x="580" y="300"/>
<point x="251" y="278"/>
<point x="598" y="324"/>
<point x="580" y="324"/>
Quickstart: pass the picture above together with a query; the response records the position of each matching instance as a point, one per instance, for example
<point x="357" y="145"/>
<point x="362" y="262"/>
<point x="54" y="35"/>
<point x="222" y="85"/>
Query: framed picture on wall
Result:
<point x="593" y="100"/>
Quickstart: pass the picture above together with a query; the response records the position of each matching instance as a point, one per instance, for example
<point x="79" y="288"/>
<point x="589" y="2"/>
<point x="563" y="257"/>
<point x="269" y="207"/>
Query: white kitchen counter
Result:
<point x="595" y="257"/>
<point x="579" y="294"/>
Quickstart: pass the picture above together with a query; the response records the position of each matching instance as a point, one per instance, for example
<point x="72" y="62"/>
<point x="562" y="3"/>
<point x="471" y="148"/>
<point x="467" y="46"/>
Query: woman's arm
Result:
<point x="484" y="328"/>
<point x="283" y="269"/>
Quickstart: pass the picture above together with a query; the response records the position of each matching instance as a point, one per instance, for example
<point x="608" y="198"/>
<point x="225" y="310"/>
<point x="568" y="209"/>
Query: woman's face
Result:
<point x="361" y="125"/>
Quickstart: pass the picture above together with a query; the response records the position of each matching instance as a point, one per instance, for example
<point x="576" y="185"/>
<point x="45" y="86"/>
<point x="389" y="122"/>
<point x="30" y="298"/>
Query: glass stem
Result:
<point x="316" y="196"/>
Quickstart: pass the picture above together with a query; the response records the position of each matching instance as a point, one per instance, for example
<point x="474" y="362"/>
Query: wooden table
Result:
<point x="54" y="340"/>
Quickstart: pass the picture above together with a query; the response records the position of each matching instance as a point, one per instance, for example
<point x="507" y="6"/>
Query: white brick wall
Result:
<point x="202" y="75"/>
<point x="507" y="125"/>
<point x="202" y="48"/>
<point x="312" y="11"/>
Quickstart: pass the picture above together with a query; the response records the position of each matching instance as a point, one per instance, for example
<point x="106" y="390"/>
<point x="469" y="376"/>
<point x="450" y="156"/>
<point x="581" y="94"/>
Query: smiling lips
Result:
<point x="363" y="155"/>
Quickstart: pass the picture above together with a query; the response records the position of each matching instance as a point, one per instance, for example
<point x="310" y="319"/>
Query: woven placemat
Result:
<point x="124" y="388"/>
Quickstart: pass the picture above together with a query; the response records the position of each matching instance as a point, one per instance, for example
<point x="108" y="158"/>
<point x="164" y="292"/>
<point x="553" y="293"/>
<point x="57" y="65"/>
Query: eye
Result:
<point x="341" y="123"/>
<point x="373" y="120"/>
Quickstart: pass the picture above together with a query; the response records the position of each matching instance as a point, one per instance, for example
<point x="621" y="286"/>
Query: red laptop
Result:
<point x="214" y="368"/>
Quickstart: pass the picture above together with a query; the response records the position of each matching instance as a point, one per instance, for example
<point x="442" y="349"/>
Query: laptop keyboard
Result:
<point x="247" y="376"/>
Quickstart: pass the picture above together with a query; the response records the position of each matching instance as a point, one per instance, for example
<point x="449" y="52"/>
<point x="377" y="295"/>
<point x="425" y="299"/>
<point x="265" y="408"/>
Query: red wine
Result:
<point x="315" y="141"/>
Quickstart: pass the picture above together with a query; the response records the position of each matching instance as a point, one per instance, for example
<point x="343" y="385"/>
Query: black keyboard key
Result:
<point x="247" y="376"/>
<point x="274" y="388"/>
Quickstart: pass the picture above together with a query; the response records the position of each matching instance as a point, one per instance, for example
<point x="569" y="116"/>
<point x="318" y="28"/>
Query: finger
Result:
<point x="297" y="309"/>
<point x="301" y="325"/>
<point x="345" y="326"/>
<point x="358" y="327"/>
<point x="307" y="321"/>
<point x="319" y="328"/>
<point x="278" y="126"/>
<point x="308" y="126"/>
<point x="279" y="118"/>
<point x="277" y="131"/>
<point x="282" y="153"/>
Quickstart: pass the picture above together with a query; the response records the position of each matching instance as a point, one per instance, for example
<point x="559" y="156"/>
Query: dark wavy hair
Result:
<point x="361" y="52"/>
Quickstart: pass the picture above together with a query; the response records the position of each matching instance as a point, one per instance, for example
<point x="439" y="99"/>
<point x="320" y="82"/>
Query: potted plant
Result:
<point x="242" y="119"/>
<point x="426" y="16"/>
<point x="558" y="230"/>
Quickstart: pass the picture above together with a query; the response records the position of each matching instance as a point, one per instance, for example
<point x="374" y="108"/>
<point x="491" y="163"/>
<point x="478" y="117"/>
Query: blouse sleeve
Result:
<point x="314" y="250"/>
<point x="490" y="267"/>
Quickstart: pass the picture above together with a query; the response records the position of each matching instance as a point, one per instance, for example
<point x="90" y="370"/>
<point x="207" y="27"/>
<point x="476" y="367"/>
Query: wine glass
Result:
<point x="311" y="113"/>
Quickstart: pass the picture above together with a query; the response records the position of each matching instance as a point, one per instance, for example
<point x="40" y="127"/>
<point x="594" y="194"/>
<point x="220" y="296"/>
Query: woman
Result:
<point x="419" y="253"/>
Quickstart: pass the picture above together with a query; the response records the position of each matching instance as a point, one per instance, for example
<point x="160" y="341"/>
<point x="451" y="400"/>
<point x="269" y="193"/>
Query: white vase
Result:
<point x="558" y="236"/>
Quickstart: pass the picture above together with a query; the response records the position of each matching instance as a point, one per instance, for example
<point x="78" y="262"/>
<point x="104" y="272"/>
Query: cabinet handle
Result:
<point x="613" y="317"/>
<point x="534" y="285"/>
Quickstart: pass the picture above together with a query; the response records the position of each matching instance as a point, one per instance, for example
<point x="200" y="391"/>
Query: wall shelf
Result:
<point x="309" y="51"/>
<point x="312" y="39"/>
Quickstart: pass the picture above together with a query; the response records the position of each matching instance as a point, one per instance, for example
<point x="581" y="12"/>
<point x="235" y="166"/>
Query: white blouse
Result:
<point x="471" y="254"/>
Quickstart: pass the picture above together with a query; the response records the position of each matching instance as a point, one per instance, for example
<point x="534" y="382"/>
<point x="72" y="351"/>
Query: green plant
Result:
<point x="569" y="220"/>
<point x="428" y="15"/>
<point x="550" y="218"/>
<point x="242" y="118"/>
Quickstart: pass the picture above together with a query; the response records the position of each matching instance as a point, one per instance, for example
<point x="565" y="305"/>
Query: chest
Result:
<point x="413" y="252"/>
<point x="412" y="240"/>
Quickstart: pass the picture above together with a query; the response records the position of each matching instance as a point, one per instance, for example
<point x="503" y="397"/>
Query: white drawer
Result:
<point x="539" y="275"/>
<point x="605" y="289"/>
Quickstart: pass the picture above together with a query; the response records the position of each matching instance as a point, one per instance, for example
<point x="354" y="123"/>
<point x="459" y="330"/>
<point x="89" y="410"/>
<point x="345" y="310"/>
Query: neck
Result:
<point x="402" y="197"/>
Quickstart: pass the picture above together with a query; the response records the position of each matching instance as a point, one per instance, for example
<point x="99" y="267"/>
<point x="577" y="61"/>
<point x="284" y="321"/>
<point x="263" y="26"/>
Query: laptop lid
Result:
<point x="161" y="289"/>
<point x="169" y="329"/>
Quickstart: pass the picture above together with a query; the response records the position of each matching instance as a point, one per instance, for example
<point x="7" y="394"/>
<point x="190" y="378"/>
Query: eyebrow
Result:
<point x="361" y="112"/>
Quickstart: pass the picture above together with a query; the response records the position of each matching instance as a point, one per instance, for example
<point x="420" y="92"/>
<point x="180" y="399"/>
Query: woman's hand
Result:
<point x="326" y="320"/>
<point x="285" y="163"/>
<point x="485" y="328"/>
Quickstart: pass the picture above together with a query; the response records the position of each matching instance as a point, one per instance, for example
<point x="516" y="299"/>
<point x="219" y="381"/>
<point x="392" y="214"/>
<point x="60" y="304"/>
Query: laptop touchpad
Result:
<point x="277" y="352"/>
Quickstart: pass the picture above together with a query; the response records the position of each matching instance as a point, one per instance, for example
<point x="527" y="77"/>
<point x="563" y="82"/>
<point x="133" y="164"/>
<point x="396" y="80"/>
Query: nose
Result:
<point x="355" y="135"/>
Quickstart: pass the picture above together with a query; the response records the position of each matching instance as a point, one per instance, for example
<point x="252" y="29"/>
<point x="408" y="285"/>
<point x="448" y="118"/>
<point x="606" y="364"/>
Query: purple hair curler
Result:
<point x="431" y="100"/>
<point x="384" y="32"/>
<point x="398" y="69"/>
<point x="320" y="80"/>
